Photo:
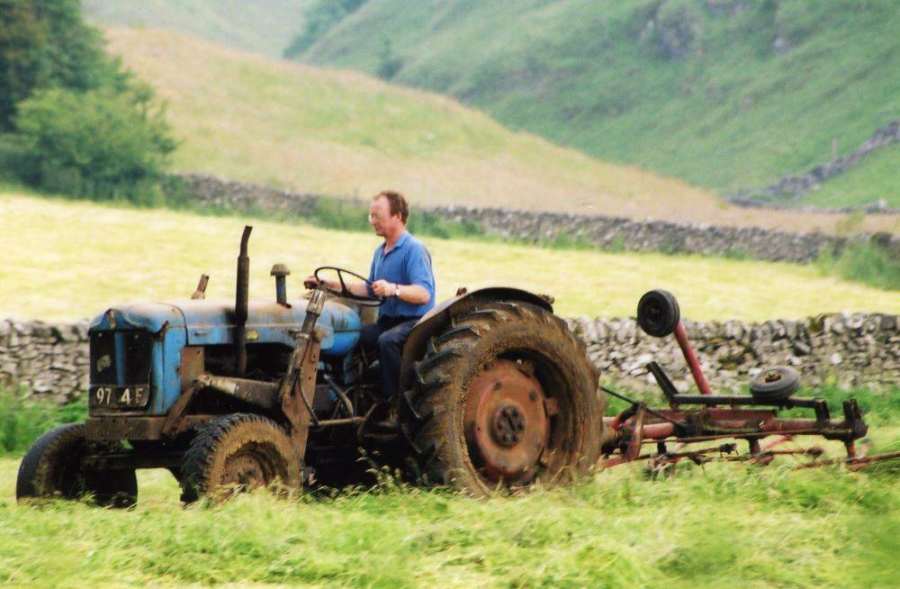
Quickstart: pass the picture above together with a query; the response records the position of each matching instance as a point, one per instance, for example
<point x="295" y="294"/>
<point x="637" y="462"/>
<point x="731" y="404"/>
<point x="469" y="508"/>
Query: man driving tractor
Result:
<point x="402" y="276"/>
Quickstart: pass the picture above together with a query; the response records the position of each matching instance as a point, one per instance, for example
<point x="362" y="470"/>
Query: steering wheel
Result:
<point x="344" y="292"/>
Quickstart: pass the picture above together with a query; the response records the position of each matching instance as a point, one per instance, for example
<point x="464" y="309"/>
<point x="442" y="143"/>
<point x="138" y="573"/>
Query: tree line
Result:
<point x="72" y="119"/>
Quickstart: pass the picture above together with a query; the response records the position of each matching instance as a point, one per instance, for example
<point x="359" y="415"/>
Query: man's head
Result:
<point x="388" y="213"/>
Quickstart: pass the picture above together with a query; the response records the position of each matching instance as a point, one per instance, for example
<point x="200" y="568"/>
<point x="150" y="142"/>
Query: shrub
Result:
<point x="23" y="421"/>
<point x="868" y="263"/>
<point x="101" y="143"/>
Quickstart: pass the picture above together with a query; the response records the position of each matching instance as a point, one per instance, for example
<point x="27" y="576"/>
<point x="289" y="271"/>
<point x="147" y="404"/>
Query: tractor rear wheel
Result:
<point x="235" y="453"/>
<point x="503" y="399"/>
<point x="52" y="469"/>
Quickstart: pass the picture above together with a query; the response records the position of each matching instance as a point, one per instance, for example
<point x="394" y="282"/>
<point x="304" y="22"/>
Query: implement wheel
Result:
<point x="236" y="453"/>
<point x="52" y="469"/>
<point x="505" y="398"/>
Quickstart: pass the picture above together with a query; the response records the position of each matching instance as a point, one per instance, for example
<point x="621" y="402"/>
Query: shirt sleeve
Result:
<point x="418" y="268"/>
<point x="372" y="274"/>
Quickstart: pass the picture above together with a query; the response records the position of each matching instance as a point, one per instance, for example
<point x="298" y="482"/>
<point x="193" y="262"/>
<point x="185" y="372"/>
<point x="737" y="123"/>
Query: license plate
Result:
<point x="116" y="397"/>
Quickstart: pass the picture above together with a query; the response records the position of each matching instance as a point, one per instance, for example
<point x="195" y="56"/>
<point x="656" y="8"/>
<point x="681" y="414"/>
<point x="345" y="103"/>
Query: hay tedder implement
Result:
<point x="711" y="424"/>
<point x="497" y="394"/>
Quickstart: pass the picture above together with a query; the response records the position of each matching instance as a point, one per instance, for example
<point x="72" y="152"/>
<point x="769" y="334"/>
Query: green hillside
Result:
<point x="246" y="117"/>
<point x="263" y="26"/>
<point x="726" y="94"/>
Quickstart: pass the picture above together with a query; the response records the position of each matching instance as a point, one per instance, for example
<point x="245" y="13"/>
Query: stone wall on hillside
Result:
<point x="794" y="186"/>
<point x="532" y="226"/>
<point x="51" y="360"/>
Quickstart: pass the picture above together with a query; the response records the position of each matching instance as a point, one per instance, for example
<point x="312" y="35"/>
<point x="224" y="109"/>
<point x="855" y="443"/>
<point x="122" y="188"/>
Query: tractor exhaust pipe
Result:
<point x="241" y="304"/>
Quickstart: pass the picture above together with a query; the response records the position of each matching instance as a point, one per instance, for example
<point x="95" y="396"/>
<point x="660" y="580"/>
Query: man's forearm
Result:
<point x="357" y="288"/>
<point x="412" y="293"/>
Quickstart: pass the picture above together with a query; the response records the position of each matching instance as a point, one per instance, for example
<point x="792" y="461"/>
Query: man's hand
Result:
<point x="383" y="289"/>
<point x="311" y="282"/>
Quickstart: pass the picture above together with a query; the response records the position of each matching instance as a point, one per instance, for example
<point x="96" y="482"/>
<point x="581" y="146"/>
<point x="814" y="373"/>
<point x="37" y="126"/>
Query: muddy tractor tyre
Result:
<point x="235" y="453"/>
<point x="52" y="469"/>
<point x="503" y="399"/>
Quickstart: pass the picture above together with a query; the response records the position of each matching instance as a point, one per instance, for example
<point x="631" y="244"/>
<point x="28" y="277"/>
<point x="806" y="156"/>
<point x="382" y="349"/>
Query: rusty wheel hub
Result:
<point x="248" y="470"/>
<point x="508" y="425"/>
<point x="506" y="422"/>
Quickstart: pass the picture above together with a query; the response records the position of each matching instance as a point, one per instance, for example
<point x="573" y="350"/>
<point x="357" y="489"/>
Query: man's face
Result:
<point x="380" y="217"/>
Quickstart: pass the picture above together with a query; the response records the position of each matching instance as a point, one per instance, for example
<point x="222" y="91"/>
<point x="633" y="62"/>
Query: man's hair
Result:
<point x="397" y="203"/>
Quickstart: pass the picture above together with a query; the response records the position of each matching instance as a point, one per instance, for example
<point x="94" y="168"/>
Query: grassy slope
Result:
<point x="731" y="114"/>
<point x="263" y="26"/>
<point x="868" y="183"/>
<point x="69" y="260"/>
<point x="245" y="117"/>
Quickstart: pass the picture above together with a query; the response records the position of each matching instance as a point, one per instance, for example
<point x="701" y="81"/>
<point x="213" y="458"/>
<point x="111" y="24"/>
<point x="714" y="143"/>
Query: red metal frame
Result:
<point x="724" y="418"/>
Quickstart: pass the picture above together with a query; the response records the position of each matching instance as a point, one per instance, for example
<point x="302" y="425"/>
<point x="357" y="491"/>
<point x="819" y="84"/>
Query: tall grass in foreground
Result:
<point x="22" y="420"/>
<point x="720" y="525"/>
<point x="724" y="525"/>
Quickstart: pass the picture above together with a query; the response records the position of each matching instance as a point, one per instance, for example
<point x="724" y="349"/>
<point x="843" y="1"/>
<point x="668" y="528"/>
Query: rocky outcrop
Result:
<point x="51" y="360"/>
<point x="614" y="233"/>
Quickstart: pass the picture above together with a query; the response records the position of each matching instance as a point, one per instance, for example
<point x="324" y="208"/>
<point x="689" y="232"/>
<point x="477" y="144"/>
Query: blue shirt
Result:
<point x="407" y="263"/>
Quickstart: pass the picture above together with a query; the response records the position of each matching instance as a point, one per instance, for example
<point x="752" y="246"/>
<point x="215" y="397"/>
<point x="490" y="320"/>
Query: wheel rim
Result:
<point x="252" y="467"/>
<point x="507" y="422"/>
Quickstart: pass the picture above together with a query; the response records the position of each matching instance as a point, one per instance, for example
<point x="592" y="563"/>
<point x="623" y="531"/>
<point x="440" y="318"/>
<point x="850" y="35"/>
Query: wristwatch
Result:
<point x="396" y="291"/>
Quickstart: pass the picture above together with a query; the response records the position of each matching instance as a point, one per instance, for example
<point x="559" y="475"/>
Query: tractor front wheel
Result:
<point x="505" y="398"/>
<point x="52" y="468"/>
<point x="236" y="453"/>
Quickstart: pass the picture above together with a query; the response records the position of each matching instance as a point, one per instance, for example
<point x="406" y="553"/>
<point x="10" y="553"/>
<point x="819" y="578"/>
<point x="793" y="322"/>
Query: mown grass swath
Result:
<point x="46" y="257"/>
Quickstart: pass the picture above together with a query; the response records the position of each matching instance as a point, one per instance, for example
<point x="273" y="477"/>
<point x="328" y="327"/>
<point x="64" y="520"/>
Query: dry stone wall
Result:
<point x="795" y="186"/>
<point x="533" y="226"/>
<point x="51" y="360"/>
<point x="848" y="350"/>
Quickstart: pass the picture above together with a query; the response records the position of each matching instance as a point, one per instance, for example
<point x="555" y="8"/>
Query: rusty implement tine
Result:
<point x="853" y="463"/>
<point x="633" y="450"/>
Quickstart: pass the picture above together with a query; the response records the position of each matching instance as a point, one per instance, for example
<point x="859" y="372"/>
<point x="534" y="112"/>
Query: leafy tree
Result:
<point x="77" y="123"/>
<point x="101" y="143"/>
<point x="21" y="36"/>
<point x="45" y="43"/>
<point x="388" y="63"/>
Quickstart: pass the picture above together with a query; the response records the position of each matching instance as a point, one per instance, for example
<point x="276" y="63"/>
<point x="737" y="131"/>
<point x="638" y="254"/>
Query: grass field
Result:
<point x="68" y="259"/>
<point x="724" y="525"/>
<point x="248" y="118"/>
<point x="727" y="94"/>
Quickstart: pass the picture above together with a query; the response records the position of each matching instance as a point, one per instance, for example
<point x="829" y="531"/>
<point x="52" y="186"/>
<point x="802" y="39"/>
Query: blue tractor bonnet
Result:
<point x="212" y="323"/>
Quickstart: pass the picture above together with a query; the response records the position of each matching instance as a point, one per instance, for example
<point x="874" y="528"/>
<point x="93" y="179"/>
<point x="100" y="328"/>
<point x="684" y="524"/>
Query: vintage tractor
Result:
<point x="497" y="394"/>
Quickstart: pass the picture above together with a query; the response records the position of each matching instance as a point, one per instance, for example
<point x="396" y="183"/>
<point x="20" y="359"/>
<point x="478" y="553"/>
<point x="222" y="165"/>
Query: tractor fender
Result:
<point x="439" y="318"/>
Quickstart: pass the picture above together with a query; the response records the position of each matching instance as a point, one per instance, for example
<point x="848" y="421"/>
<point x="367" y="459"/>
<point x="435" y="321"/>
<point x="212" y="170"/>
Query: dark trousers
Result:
<point x="386" y="338"/>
